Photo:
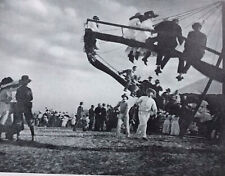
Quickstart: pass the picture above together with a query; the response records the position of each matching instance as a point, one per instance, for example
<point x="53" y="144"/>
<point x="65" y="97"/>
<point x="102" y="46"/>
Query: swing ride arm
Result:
<point x="207" y="69"/>
<point x="89" y="40"/>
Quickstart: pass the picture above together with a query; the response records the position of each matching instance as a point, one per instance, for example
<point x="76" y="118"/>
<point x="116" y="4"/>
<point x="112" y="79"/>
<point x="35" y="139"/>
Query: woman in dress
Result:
<point x="134" y="21"/>
<point x="6" y="109"/>
<point x="175" y="128"/>
<point x="166" y="125"/>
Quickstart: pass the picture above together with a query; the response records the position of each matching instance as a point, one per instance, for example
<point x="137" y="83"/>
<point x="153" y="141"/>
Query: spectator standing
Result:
<point x="98" y="111"/>
<point x="80" y="113"/>
<point x="103" y="117"/>
<point x="91" y="117"/>
<point x="123" y="116"/>
<point x="147" y="107"/>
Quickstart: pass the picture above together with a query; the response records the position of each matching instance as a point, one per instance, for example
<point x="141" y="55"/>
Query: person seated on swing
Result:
<point x="129" y="73"/>
<point x="142" y="36"/>
<point x="193" y="49"/>
<point x="134" y="21"/>
<point x="168" y="33"/>
<point x="91" y="43"/>
<point x="141" y="21"/>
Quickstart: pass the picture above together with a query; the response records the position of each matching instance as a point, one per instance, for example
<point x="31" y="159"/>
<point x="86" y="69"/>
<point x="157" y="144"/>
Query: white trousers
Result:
<point x="121" y="118"/>
<point x="143" y="120"/>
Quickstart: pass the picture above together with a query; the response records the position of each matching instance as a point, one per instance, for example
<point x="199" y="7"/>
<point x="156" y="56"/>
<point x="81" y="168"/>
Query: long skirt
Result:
<point x="175" y="128"/>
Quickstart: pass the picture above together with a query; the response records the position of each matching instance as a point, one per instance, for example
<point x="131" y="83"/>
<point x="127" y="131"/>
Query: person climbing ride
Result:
<point x="129" y="73"/>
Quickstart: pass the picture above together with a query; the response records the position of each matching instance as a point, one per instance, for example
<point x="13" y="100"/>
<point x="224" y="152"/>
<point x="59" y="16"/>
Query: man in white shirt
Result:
<point x="147" y="108"/>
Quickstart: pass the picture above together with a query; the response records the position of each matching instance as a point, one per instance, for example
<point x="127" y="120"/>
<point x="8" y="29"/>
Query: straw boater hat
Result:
<point x="150" y="14"/>
<point x="25" y="79"/>
<point x="8" y="82"/>
<point x="124" y="95"/>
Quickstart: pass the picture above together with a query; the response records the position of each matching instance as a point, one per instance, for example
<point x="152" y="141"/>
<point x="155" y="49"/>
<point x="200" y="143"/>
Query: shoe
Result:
<point x="157" y="71"/>
<point x="131" y="57"/>
<point x="145" y="138"/>
<point x="137" y="54"/>
<point x="32" y="139"/>
<point x="179" y="77"/>
<point x="145" y="61"/>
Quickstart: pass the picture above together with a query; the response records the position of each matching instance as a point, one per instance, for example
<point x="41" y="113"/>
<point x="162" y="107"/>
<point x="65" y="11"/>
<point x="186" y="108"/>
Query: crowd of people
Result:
<point x="52" y="118"/>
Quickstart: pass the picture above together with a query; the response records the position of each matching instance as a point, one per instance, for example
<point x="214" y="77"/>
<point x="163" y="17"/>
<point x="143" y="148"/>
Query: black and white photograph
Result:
<point x="112" y="87"/>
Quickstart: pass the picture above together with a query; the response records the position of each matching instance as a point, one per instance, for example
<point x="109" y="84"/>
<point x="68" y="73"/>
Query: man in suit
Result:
<point x="193" y="49"/>
<point x="168" y="33"/>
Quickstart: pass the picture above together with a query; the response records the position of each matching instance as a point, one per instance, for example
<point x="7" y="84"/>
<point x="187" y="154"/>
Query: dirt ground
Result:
<point x="62" y="151"/>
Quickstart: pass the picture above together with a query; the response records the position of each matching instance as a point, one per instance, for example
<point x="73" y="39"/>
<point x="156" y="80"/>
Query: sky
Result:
<point x="44" y="39"/>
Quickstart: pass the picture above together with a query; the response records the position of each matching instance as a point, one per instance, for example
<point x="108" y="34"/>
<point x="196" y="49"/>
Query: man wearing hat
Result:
<point x="142" y="36"/>
<point x="168" y="34"/>
<point x="123" y="116"/>
<point x="24" y="99"/>
<point x="193" y="49"/>
<point x="147" y="108"/>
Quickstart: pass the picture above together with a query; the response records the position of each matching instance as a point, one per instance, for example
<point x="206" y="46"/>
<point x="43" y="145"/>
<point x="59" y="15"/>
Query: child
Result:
<point x="166" y="125"/>
<point x="175" y="128"/>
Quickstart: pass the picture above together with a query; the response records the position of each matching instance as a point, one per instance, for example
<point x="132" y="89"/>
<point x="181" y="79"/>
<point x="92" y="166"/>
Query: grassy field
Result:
<point x="62" y="151"/>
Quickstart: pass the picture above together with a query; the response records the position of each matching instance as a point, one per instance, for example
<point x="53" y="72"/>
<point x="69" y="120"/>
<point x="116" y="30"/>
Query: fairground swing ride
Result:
<point x="207" y="14"/>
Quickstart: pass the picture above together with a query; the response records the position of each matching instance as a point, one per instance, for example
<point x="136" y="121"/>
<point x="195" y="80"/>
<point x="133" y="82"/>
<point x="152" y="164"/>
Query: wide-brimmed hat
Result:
<point x="124" y="95"/>
<point x="196" y="25"/>
<point x="150" y="14"/>
<point x="151" y="90"/>
<point x="24" y="79"/>
<point x="8" y="82"/>
<point x="137" y="15"/>
<point x="95" y="17"/>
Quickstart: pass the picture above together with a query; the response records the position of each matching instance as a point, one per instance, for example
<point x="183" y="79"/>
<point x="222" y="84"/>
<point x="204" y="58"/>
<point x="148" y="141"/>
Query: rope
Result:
<point x="209" y="11"/>
<point x="214" y="24"/>
<point x="187" y="12"/>
<point x="109" y="51"/>
<point x="198" y="12"/>
<point x="107" y="63"/>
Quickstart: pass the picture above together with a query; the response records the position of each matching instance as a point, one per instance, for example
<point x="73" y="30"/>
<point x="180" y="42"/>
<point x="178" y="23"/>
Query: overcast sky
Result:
<point x="43" y="38"/>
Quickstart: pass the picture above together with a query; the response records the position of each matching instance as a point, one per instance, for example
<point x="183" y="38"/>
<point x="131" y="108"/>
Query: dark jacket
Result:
<point x="194" y="43"/>
<point x="24" y="94"/>
<point x="168" y="33"/>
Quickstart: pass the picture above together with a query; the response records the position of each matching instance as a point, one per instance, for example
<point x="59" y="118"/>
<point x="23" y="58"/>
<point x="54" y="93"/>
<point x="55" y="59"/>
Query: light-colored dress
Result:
<point x="5" y="118"/>
<point x="166" y="126"/>
<point x="142" y="36"/>
<point x="131" y="34"/>
<point x="175" y="128"/>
